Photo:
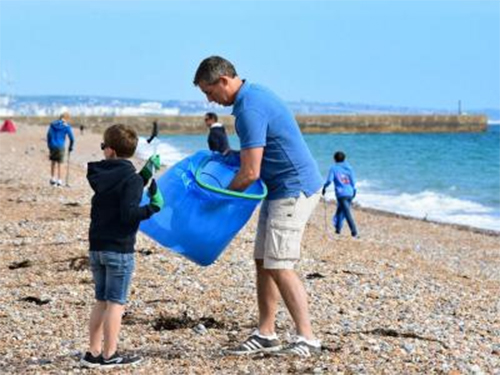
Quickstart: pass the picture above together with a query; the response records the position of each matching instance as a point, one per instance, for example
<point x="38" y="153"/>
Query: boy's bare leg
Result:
<point x="268" y="297"/>
<point x="96" y="327"/>
<point x="112" y="324"/>
<point x="294" y="294"/>
<point x="53" y="169"/>
<point x="58" y="171"/>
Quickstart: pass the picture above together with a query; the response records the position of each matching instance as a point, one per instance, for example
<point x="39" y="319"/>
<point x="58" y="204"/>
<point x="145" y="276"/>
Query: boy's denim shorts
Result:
<point x="112" y="272"/>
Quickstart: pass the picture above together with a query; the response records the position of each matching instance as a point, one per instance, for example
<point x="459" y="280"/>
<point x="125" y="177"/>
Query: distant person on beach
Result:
<point x="342" y="176"/>
<point x="272" y="148"/>
<point x="217" y="137"/>
<point x="82" y="129"/>
<point x="56" y="142"/>
<point x="115" y="216"/>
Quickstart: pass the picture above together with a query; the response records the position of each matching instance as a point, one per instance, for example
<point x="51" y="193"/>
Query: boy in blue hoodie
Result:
<point x="342" y="176"/>
<point x="56" y="139"/>
<point x="115" y="216"/>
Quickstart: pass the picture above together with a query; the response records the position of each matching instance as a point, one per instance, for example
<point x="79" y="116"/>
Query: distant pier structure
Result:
<point x="458" y="123"/>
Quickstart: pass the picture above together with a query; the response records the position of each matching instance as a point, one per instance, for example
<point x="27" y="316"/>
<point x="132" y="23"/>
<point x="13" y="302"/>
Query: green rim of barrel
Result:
<point x="231" y="193"/>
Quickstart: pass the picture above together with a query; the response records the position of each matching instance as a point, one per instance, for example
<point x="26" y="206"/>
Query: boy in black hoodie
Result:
<point x="115" y="217"/>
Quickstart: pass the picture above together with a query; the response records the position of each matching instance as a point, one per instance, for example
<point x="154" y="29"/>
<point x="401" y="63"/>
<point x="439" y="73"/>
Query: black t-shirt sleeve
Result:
<point x="212" y="144"/>
<point x="130" y="211"/>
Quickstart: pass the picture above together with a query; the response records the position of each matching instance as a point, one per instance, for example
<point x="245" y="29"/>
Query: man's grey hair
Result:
<point x="212" y="68"/>
<point x="64" y="115"/>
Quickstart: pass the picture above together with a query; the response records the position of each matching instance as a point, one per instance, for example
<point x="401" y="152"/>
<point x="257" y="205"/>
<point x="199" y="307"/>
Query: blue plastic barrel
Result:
<point x="200" y="216"/>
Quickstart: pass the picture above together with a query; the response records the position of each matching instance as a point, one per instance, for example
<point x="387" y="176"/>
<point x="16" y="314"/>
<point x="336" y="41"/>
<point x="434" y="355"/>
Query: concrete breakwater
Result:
<point x="308" y="124"/>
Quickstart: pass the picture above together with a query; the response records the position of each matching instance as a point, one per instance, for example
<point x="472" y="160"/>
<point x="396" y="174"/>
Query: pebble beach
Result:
<point x="408" y="297"/>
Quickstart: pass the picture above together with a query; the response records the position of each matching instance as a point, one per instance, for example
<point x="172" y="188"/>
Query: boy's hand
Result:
<point x="148" y="169"/>
<point x="155" y="197"/>
<point x="323" y="191"/>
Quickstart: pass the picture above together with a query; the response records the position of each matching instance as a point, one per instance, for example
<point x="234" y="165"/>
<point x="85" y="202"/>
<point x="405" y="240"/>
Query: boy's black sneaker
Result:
<point x="117" y="360"/>
<point x="88" y="360"/>
<point x="256" y="343"/>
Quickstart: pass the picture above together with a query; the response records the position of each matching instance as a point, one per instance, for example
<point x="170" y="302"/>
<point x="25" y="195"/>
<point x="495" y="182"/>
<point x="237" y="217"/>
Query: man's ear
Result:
<point x="224" y="80"/>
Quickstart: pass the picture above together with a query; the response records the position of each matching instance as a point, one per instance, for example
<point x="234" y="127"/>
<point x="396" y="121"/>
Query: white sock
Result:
<point x="316" y="343"/>
<point x="274" y="336"/>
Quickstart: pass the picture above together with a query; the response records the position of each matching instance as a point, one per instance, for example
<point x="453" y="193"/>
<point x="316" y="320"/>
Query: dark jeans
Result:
<point x="344" y="212"/>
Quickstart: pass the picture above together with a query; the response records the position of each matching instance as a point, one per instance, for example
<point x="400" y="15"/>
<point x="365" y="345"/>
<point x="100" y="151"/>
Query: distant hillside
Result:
<point x="109" y="106"/>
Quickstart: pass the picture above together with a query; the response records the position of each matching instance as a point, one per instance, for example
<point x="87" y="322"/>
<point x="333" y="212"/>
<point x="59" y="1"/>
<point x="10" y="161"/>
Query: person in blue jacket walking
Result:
<point x="56" y="140"/>
<point x="342" y="176"/>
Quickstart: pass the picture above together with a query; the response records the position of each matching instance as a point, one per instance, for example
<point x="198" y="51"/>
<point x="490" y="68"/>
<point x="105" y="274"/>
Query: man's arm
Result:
<point x="329" y="180"/>
<point x="251" y="160"/>
<point x="49" y="136"/>
<point x="211" y="141"/>
<point x="71" y="138"/>
<point x="353" y="184"/>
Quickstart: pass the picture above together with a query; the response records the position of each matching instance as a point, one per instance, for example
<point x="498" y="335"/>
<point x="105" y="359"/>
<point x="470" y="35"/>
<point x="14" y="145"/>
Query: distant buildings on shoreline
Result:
<point x="51" y="106"/>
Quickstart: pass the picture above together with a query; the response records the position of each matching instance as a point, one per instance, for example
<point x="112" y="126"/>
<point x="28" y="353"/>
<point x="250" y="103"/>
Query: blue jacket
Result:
<point x="56" y="136"/>
<point x="342" y="176"/>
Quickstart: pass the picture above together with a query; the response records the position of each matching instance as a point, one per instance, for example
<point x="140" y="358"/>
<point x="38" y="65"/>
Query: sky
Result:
<point x="403" y="53"/>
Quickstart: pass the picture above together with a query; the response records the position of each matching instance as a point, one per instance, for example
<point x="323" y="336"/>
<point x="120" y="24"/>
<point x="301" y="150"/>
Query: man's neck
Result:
<point x="236" y="86"/>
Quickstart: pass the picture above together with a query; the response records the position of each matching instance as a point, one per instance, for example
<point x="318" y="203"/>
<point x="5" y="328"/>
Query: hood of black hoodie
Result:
<point x="108" y="174"/>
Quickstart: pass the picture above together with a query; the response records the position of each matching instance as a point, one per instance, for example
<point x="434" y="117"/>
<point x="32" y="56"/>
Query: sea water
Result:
<point x="451" y="177"/>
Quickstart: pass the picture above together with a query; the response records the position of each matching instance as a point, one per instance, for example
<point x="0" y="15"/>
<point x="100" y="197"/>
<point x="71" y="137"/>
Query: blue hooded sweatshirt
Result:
<point x="342" y="176"/>
<point x="56" y="136"/>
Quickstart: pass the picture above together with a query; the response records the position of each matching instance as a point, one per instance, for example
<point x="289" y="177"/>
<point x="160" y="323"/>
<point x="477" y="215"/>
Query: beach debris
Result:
<point x="39" y="361"/>
<point x="389" y="332"/>
<point x="73" y="204"/>
<point x="145" y="252"/>
<point x="22" y="264"/>
<point x="86" y="280"/>
<point x="160" y="300"/>
<point x="351" y="272"/>
<point x="80" y="263"/>
<point x="129" y="318"/>
<point x="35" y="300"/>
<point x="408" y="347"/>
<point x="200" y="329"/>
<point x="314" y="275"/>
<point x="171" y="323"/>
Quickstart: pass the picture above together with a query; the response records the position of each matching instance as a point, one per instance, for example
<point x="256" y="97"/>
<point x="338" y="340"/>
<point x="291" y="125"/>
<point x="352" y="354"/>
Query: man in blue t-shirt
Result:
<point x="272" y="148"/>
<point x="342" y="176"/>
